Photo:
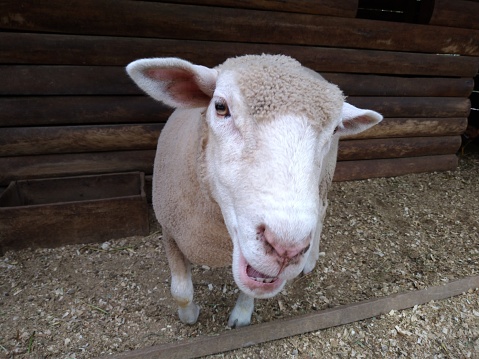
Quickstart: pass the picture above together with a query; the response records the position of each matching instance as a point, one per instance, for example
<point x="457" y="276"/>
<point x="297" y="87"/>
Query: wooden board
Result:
<point x="414" y="127"/>
<point x="109" y="80"/>
<point x="17" y="141"/>
<point x="354" y="170"/>
<point x="397" y="147"/>
<point x="344" y="8"/>
<point x="31" y="48"/>
<point x="53" y="212"/>
<point x="456" y="13"/>
<point x="81" y="110"/>
<point x="279" y="329"/>
<point x="44" y="166"/>
<point x="172" y="21"/>
<point x="69" y="110"/>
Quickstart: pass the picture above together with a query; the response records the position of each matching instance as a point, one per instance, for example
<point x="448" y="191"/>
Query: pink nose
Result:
<point x="275" y="245"/>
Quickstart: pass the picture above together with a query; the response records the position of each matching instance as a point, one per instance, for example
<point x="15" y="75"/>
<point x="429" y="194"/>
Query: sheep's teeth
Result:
<point x="268" y="280"/>
<point x="261" y="280"/>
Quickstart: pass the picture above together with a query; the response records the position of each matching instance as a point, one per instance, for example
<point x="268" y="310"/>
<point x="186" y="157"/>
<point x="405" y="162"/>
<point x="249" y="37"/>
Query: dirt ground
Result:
<point x="382" y="236"/>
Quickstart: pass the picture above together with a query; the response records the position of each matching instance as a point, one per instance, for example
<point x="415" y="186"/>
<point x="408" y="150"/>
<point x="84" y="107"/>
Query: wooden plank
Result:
<point x="414" y="127"/>
<point x="415" y="106"/>
<point x="369" y="149"/>
<point x="88" y="209"/>
<point x="456" y="13"/>
<point x="345" y="8"/>
<point x="45" y="166"/>
<point x="30" y="48"/>
<point x="81" y="110"/>
<point x="70" y="110"/>
<point x="373" y="85"/>
<point x="161" y="20"/>
<point x="279" y="329"/>
<point x="17" y="141"/>
<point x="110" y="80"/>
<point x="364" y="169"/>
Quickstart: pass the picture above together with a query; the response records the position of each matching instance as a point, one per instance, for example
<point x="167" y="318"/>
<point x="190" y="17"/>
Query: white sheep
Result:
<point x="243" y="168"/>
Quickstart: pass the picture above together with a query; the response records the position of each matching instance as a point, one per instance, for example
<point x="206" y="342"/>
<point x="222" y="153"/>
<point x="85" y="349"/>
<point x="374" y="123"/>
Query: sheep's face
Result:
<point x="264" y="172"/>
<point x="273" y="127"/>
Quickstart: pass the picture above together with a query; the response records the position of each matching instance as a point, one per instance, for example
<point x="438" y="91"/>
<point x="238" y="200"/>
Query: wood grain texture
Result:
<point x="173" y="21"/>
<point x="46" y="166"/>
<point x="397" y="147"/>
<point x="55" y="49"/>
<point x="69" y="110"/>
<point x="344" y="8"/>
<point x="414" y="127"/>
<point x="279" y="329"/>
<point x="110" y="80"/>
<point x="18" y="141"/>
<point x="354" y="170"/>
<point x="456" y="13"/>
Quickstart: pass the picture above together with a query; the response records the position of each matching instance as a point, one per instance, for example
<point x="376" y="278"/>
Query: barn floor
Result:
<point x="382" y="236"/>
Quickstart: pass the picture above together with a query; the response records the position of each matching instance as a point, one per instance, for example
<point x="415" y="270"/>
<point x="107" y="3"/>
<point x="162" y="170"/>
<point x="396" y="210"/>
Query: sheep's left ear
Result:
<point x="355" y="120"/>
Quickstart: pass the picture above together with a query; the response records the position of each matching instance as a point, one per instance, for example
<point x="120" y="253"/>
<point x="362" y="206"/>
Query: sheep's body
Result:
<point x="243" y="169"/>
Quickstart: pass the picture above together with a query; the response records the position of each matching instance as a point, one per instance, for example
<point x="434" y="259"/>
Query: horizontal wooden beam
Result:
<point x="344" y="8"/>
<point x="188" y="22"/>
<point x="355" y="170"/>
<point x="56" y="165"/>
<point x="44" y="49"/>
<point x="20" y="141"/>
<point x="108" y="80"/>
<point x="414" y="127"/>
<point x="70" y="110"/>
<point x="297" y="325"/>
<point x="456" y="13"/>
<point x="46" y="166"/>
<point x="397" y="147"/>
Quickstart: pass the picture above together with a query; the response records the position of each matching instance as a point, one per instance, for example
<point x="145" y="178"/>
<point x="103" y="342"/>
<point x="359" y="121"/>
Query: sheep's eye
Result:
<point x="222" y="109"/>
<point x="335" y="130"/>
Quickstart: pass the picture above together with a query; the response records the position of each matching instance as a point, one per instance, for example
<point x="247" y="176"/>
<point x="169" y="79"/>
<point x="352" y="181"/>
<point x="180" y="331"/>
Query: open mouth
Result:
<point x="258" y="276"/>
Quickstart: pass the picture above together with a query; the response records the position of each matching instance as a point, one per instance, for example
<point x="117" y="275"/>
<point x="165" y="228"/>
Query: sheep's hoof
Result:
<point x="189" y="314"/>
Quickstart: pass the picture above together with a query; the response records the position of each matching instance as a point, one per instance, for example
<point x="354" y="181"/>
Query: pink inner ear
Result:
<point x="180" y="84"/>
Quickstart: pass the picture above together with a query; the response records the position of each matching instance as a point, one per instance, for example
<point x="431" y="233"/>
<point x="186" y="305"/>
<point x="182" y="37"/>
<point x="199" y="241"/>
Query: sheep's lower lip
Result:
<point x="256" y="281"/>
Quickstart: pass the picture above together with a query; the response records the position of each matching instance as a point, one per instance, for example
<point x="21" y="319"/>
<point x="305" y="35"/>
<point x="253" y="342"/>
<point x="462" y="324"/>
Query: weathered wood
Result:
<point x="16" y="141"/>
<point x="108" y="80"/>
<point x="345" y="8"/>
<point x="414" y="127"/>
<point x="354" y="170"/>
<point x="30" y="48"/>
<point x="415" y="106"/>
<point x="279" y="329"/>
<point x="160" y="20"/>
<point x="53" y="212"/>
<point x="45" y="166"/>
<point x="71" y="110"/>
<point x="397" y="147"/>
<point x="373" y="85"/>
<point x="62" y="110"/>
<point x="456" y="13"/>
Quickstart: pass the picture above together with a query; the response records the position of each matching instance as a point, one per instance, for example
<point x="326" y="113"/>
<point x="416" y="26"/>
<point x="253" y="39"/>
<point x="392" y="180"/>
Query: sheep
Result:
<point x="242" y="169"/>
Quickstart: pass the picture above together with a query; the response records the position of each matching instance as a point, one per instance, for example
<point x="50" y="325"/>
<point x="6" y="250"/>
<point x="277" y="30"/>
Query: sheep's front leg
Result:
<point x="241" y="314"/>
<point x="181" y="283"/>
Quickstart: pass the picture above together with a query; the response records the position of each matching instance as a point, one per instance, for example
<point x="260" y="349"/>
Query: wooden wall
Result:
<point x="68" y="108"/>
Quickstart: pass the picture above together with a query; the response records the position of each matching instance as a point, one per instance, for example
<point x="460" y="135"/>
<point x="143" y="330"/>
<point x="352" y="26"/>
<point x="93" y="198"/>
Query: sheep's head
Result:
<point x="271" y="126"/>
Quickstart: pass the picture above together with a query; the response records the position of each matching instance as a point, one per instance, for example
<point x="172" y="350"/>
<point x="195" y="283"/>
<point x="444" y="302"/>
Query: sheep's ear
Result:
<point x="355" y="120"/>
<point x="175" y="82"/>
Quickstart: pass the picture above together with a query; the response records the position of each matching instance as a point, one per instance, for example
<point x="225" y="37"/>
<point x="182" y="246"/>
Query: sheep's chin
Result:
<point x="255" y="287"/>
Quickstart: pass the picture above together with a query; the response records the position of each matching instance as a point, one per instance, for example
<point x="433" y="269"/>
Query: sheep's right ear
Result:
<point x="175" y="82"/>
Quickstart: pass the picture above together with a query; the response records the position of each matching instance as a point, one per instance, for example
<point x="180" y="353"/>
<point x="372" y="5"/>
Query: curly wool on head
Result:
<point x="275" y="85"/>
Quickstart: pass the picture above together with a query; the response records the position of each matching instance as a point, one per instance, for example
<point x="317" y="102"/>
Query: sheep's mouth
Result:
<point x="258" y="276"/>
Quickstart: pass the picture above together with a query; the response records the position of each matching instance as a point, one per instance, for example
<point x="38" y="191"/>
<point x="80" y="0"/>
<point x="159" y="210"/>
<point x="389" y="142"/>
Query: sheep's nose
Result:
<point x="286" y="248"/>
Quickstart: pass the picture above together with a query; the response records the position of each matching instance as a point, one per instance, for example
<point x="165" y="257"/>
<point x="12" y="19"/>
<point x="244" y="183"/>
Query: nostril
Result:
<point x="306" y="249"/>
<point x="260" y="232"/>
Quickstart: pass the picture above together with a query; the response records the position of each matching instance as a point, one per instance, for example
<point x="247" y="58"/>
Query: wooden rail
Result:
<point x="279" y="329"/>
